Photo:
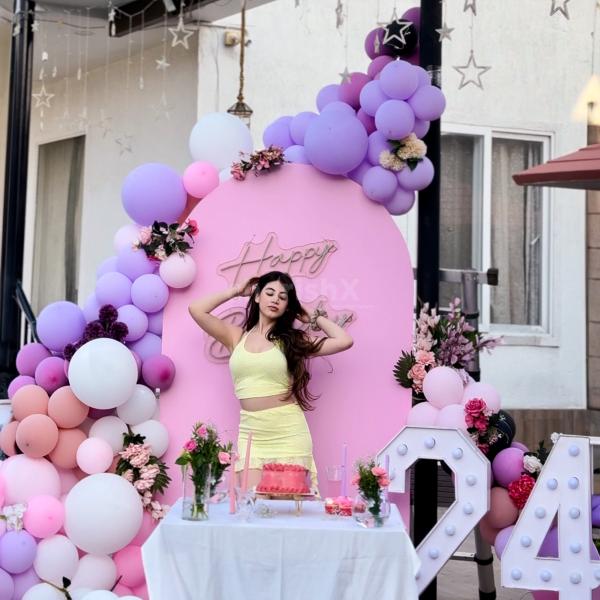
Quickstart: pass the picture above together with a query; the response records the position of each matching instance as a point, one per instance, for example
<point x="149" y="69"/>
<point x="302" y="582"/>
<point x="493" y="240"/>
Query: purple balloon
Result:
<point x="149" y="293"/>
<point x="423" y="76"/>
<point x="502" y="539"/>
<point x="428" y="103"/>
<point x="418" y="178"/>
<point x="147" y="346"/>
<point x="278" y="133"/>
<point x="18" y="382"/>
<point x="155" y="322"/>
<point x="98" y="413"/>
<point x="59" y="324"/>
<point x="138" y="362"/>
<point x="108" y="265"/>
<point x="339" y="106"/>
<point x="596" y="516"/>
<point x="158" y="372"/>
<point x="379" y="184"/>
<point x="336" y="143"/>
<point x="30" y="356"/>
<point x="350" y="90"/>
<point x="50" y="374"/>
<point x="134" y="263"/>
<point x="421" y="128"/>
<point x="399" y="80"/>
<point x="549" y="547"/>
<point x="299" y="124"/>
<point x="414" y="16"/>
<point x="113" y="288"/>
<point x="367" y="120"/>
<point x="91" y="308"/>
<point x="402" y="201"/>
<point x="507" y="466"/>
<point x="24" y="581"/>
<point x="153" y="192"/>
<point x="17" y="551"/>
<point x="395" y="119"/>
<point x="372" y="97"/>
<point x="7" y="586"/>
<point x="136" y="321"/>
<point x="359" y="173"/>
<point x="296" y="154"/>
<point x="374" y="43"/>
<point x="520" y="446"/>
<point x="330" y="93"/>
<point x="377" y="64"/>
<point x="377" y="144"/>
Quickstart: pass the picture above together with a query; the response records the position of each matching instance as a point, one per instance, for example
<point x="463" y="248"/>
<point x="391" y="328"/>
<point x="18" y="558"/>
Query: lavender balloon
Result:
<point x="153" y="192"/>
<point x="377" y="65"/>
<point x="113" y="288"/>
<point x="421" y="128"/>
<point x="155" y="322"/>
<point x="30" y="356"/>
<point x="149" y="293"/>
<point x="350" y="90"/>
<point x="359" y="173"/>
<point x="395" y="119"/>
<point x="134" y="263"/>
<point x="278" y="133"/>
<point x="367" y="120"/>
<point x="7" y="586"/>
<point x="18" y="382"/>
<point x="91" y="308"/>
<point x="399" y="80"/>
<point x="372" y="97"/>
<point x="401" y="202"/>
<point x="299" y="124"/>
<point x="379" y="184"/>
<point x="24" y="581"/>
<point x="502" y="539"/>
<point x="106" y="266"/>
<point x="378" y="143"/>
<point x="418" y="178"/>
<point x="330" y="93"/>
<point x="147" y="346"/>
<point x="336" y="143"/>
<point x="507" y="466"/>
<point x="136" y="321"/>
<point x="414" y="16"/>
<point x="423" y="76"/>
<point x="428" y="103"/>
<point x="296" y="154"/>
<point x="59" y="324"/>
<point x="339" y="106"/>
<point x="17" y="551"/>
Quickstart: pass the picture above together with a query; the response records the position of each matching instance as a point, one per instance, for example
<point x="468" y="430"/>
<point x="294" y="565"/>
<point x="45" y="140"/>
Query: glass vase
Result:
<point x="196" y="492"/>
<point x="371" y="512"/>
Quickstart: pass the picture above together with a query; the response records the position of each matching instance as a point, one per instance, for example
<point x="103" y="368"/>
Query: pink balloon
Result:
<point x="520" y="446"/>
<point x="484" y="391"/>
<point x="94" y="455"/>
<point x="349" y="91"/>
<point x="200" y="178"/>
<point x="29" y="400"/>
<point x="65" y="453"/>
<point x="129" y="566"/>
<point x="44" y="516"/>
<point x="142" y="592"/>
<point x="503" y="513"/>
<point x="178" y="271"/>
<point x="452" y="416"/>
<point x="37" y="435"/>
<point x="507" y="466"/>
<point x="147" y="527"/>
<point x="158" y="372"/>
<point x="67" y="480"/>
<point x="488" y="533"/>
<point x="50" y="374"/>
<point x="422" y="415"/>
<point x="122" y="590"/>
<point x="30" y="356"/>
<point x="443" y="386"/>
<point x="125" y="238"/>
<point x="8" y="438"/>
<point x="66" y="410"/>
<point x="502" y="539"/>
<point x="2" y="491"/>
<point x="26" y="478"/>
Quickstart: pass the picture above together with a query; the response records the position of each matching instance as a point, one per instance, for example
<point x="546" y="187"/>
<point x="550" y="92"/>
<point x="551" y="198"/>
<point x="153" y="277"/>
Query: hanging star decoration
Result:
<point x="162" y="108"/>
<point x="399" y="37"/>
<point x="35" y="27"/>
<point x="162" y="64"/>
<point x="42" y="98"/>
<point x="180" y="34"/>
<point x="345" y="75"/>
<point x="560" y="6"/>
<point x="104" y="123"/>
<point x="124" y="143"/>
<point x="339" y="14"/>
<point x="445" y="32"/>
<point x="472" y="4"/>
<point x="471" y="73"/>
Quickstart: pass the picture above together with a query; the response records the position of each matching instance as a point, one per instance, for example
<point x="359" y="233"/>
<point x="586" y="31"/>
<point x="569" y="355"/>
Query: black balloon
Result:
<point x="506" y="424"/>
<point x="400" y="38"/>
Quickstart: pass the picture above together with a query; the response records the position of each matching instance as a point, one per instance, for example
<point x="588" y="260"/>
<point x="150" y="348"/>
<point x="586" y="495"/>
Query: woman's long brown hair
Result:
<point x="297" y="345"/>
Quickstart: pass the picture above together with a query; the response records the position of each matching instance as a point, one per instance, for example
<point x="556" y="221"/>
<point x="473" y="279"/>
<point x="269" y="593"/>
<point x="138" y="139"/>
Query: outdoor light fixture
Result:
<point x="240" y="109"/>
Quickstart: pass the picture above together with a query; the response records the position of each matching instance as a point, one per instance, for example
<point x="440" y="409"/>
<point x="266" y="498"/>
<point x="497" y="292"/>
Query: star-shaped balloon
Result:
<point x="180" y="34"/>
<point x="471" y="73"/>
<point x="42" y="98"/>
<point x="400" y="37"/>
<point x="560" y="6"/>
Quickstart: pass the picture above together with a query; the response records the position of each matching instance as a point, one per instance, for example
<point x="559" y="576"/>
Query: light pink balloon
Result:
<point x="486" y="392"/>
<point x="129" y="566"/>
<point x="422" y="415"/>
<point x="126" y="236"/>
<point x="178" y="271"/>
<point x="147" y="527"/>
<point x="26" y="478"/>
<point x="44" y="516"/>
<point x="2" y="488"/>
<point x="141" y="592"/>
<point x="443" y="386"/>
<point x="67" y="480"/>
<point x="94" y="455"/>
<point x="200" y="178"/>
<point x="452" y="416"/>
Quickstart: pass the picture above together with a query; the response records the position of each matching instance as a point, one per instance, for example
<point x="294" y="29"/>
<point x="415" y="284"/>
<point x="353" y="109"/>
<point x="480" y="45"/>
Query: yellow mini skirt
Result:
<point x="279" y="435"/>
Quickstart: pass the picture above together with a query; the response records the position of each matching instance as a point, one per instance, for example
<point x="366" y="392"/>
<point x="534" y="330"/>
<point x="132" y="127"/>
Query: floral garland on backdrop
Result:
<point x="259" y="162"/>
<point x="161" y="240"/>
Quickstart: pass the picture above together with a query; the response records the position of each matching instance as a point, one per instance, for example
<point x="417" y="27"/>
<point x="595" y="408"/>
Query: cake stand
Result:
<point x="297" y="498"/>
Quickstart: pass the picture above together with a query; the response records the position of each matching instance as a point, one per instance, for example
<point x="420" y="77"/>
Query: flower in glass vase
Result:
<point x="372" y="481"/>
<point x="204" y="459"/>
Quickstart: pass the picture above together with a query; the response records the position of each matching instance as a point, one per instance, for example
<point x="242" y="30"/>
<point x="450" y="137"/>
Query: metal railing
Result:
<point x="28" y="316"/>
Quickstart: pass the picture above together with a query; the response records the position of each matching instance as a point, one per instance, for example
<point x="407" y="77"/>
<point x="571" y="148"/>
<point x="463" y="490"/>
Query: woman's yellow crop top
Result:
<point x="258" y="374"/>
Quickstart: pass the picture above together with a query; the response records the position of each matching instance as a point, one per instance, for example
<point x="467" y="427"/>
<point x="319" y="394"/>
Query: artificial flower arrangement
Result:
<point x="440" y="340"/>
<point x="259" y="161"/>
<point x="145" y="472"/>
<point x="520" y="489"/>
<point x="372" y="481"/>
<point x="161" y="240"/>
<point x="490" y="431"/>
<point x="407" y="152"/>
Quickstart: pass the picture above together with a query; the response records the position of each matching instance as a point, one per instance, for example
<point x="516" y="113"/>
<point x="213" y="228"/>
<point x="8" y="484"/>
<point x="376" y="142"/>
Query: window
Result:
<point x="487" y="221"/>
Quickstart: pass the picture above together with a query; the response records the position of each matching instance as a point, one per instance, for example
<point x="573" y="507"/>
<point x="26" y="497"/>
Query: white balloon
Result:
<point x="56" y="558"/>
<point x="140" y="407"/>
<point x="225" y="174"/>
<point x="43" y="591"/>
<point x="156" y="434"/>
<point x="103" y="373"/>
<point x="95" y="572"/>
<point x="111" y="430"/>
<point x="130" y="598"/>
<point x="79" y="593"/>
<point x="100" y="595"/>
<point x="219" y="138"/>
<point x="103" y="513"/>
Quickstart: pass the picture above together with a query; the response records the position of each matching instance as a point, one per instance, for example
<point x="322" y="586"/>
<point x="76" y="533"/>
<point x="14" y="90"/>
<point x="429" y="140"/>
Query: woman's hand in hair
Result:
<point x="247" y="288"/>
<point x="303" y="316"/>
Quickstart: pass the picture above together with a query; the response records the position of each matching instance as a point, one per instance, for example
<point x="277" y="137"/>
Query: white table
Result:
<point x="285" y="557"/>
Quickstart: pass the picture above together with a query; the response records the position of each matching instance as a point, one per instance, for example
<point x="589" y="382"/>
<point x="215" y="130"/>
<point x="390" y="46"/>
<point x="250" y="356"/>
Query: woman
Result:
<point x="268" y="363"/>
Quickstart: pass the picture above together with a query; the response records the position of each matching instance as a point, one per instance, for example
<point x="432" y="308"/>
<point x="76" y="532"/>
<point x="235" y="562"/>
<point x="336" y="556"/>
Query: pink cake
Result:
<point x="283" y="479"/>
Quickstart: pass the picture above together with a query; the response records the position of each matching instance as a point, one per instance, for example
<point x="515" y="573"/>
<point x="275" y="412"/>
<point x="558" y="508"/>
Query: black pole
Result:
<point x="15" y="183"/>
<point x="428" y="262"/>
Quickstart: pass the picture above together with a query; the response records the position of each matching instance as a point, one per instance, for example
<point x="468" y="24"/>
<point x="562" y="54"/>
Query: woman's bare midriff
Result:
<point x="254" y="404"/>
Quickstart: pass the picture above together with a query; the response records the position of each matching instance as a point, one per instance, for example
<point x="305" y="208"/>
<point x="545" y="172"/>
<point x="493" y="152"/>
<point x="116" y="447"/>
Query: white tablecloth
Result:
<point x="285" y="557"/>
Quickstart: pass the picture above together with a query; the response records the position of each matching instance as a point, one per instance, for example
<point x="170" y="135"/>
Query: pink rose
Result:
<point x="202" y="431"/>
<point x="378" y="471"/>
<point x="145" y="235"/>
<point x="383" y="481"/>
<point x="190" y="445"/>
<point x="224" y="458"/>
<point x="417" y="372"/>
<point x="355" y="480"/>
<point x="425" y="358"/>
<point x="475" y="407"/>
